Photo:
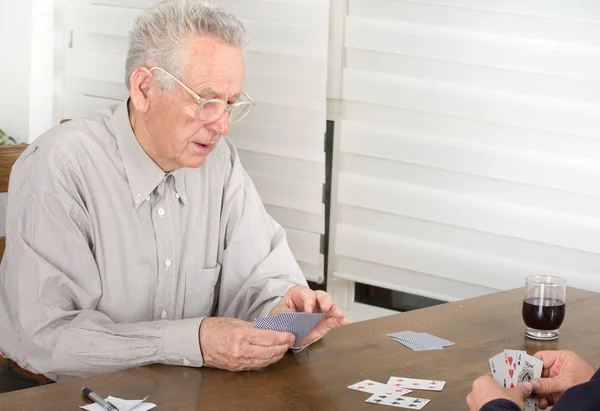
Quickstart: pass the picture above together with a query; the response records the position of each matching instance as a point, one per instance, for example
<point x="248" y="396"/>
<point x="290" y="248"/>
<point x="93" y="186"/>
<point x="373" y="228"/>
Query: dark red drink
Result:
<point x="545" y="314"/>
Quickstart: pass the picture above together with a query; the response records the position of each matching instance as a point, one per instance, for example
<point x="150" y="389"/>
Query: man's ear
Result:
<point x="141" y="83"/>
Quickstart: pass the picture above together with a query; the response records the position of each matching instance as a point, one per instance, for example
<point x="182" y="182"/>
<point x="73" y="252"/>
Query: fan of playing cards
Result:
<point x="394" y="392"/>
<point x="299" y="324"/>
<point x="512" y="367"/>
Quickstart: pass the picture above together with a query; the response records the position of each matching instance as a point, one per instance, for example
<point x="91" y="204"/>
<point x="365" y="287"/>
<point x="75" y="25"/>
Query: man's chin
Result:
<point x="195" y="162"/>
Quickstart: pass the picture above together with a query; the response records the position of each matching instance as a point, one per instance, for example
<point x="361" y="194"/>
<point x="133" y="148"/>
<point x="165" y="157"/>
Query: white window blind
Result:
<point x="281" y="143"/>
<point x="469" y="152"/>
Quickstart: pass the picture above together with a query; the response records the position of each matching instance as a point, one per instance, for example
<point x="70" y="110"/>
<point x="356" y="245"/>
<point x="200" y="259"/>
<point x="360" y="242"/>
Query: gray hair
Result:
<point x="159" y="34"/>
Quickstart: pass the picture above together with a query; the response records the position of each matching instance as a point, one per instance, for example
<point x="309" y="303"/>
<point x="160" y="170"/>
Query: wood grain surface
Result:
<point x="316" y="379"/>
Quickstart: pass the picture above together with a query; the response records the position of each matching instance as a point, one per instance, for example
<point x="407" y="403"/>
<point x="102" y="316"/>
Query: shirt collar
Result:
<point x="180" y="184"/>
<point x="143" y="174"/>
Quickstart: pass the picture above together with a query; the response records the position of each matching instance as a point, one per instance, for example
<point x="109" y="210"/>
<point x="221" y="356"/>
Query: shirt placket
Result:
<point x="165" y="250"/>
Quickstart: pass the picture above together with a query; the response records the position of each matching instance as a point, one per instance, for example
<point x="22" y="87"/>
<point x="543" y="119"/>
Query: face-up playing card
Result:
<point x="510" y="361"/>
<point x="415" y="384"/>
<point x="498" y="367"/>
<point x="375" y="387"/>
<point x="397" y="401"/>
<point x="531" y="368"/>
<point x="369" y="386"/>
<point x="512" y="367"/>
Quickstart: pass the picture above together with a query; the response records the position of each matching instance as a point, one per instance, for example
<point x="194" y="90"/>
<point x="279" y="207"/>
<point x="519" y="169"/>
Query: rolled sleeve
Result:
<point x="181" y="343"/>
<point x="269" y="306"/>
<point x="500" y="405"/>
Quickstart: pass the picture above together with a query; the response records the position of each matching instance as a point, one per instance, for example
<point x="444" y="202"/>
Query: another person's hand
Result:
<point x="485" y="389"/>
<point x="236" y="345"/>
<point x="303" y="299"/>
<point x="562" y="370"/>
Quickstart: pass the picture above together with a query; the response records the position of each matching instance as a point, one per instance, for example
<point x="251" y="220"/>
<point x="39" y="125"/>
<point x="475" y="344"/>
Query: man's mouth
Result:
<point x="205" y="148"/>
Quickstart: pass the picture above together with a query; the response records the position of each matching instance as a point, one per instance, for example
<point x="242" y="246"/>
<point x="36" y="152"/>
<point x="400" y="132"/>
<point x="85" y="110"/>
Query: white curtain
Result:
<point x="469" y="153"/>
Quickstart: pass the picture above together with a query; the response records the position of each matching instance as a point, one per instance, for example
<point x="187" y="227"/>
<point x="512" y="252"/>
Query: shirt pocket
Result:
<point x="200" y="291"/>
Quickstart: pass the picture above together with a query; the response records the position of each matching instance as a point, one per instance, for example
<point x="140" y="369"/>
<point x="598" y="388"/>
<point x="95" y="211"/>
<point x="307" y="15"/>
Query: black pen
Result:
<point x="92" y="396"/>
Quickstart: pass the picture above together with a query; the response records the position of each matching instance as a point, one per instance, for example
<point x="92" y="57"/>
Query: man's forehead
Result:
<point x="220" y="91"/>
<point x="213" y="68"/>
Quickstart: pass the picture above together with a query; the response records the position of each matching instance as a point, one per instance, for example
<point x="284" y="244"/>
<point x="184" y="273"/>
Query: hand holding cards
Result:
<point x="512" y="367"/>
<point x="299" y="324"/>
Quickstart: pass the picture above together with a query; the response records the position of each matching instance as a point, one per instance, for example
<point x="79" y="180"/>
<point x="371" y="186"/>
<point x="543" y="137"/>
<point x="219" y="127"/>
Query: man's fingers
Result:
<point x="325" y="301"/>
<point x="525" y="389"/>
<point x="259" y="336"/>
<point x="263" y="353"/>
<point x="310" y="300"/>
<point x="548" y="357"/>
<point x="302" y="298"/>
<point x="544" y="403"/>
<point x="548" y="386"/>
<point x="323" y="327"/>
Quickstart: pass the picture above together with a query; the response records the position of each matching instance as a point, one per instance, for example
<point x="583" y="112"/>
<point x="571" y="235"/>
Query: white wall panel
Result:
<point x="468" y="152"/>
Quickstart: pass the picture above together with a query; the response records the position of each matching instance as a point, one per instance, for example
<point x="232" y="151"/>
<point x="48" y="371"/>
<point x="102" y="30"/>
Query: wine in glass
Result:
<point x="544" y="306"/>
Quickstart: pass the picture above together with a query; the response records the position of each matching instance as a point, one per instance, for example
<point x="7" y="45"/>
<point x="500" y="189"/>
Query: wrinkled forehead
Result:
<point x="212" y="68"/>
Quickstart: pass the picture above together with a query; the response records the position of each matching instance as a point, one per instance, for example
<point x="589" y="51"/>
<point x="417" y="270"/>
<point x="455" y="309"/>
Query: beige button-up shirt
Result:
<point x="111" y="263"/>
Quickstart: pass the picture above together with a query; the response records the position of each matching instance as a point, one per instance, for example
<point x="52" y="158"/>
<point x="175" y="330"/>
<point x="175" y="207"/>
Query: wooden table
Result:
<point x="316" y="378"/>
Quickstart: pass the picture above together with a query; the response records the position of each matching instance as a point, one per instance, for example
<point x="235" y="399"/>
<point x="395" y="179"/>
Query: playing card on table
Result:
<point x="416" y="347"/>
<point x="398" y="401"/>
<point x="374" y="387"/>
<point x="415" y="384"/>
<point x="420" y="341"/>
<point x="369" y="386"/>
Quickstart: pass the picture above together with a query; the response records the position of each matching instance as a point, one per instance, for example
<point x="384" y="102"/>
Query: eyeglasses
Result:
<point x="210" y="110"/>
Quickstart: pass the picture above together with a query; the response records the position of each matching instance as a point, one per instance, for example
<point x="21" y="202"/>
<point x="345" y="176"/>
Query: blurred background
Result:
<point x="416" y="151"/>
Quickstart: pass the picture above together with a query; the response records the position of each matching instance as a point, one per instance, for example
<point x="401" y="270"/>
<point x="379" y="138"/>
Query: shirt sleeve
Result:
<point x="500" y="405"/>
<point x="583" y="397"/>
<point x="258" y="267"/>
<point x="51" y="288"/>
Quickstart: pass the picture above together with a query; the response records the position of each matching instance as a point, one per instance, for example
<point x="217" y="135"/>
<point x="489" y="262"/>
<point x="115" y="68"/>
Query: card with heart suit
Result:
<point x="415" y="384"/>
<point x="374" y="387"/>
<point x="512" y="367"/>
<point x="510" y="359"/>
<point x="396" y="401"/>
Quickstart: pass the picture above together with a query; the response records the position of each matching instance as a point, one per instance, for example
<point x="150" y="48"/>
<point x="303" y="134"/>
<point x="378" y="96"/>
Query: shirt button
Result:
<point x="147" y="198"/>
<point x="161" y="211"/>
<point x="177" y="196"/>
<point x="163" y="315"/>
<point x="167" y="262"/>
<point x="186" y="362"/>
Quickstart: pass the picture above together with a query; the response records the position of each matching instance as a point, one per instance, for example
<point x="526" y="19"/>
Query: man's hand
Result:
<point x="485" y="389"/>
<point x="303" y="299"/>
<point x="236" y="345"/>
<point x="562" y="370"/>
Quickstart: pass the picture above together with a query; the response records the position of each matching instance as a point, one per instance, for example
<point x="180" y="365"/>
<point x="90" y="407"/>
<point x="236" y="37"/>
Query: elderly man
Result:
<point x="135" y="236"/>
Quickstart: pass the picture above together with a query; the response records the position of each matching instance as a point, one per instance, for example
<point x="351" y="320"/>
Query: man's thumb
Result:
<point x="525" y="389"/>
<point x="547" y="386"/>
